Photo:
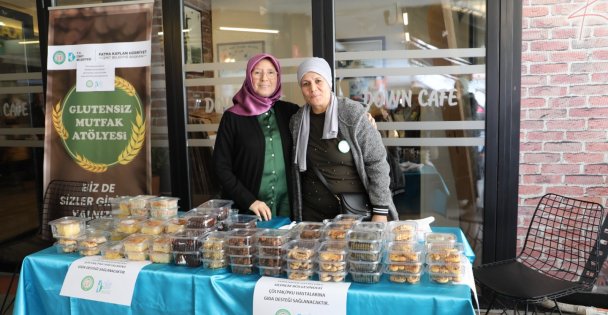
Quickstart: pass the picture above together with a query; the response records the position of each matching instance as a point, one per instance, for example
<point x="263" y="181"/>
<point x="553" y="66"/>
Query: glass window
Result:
<point x="219" y="38"/>
<point x="420" y="69"/>
<point x="21" y="117"/>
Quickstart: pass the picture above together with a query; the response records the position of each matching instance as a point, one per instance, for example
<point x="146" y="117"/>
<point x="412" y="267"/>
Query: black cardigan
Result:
<point x="238" y="155"/>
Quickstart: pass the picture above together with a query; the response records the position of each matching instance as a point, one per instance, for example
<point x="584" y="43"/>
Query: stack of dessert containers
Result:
<point x="241" y="250"/>
<point x="160" y="252"/>
<point x="136" y="246"/>
<point x="67" y="231"/>
<point x="444" y="258"/>
<point x="126" y="226"/>
<point x="213" y="250"/>
<point x="120" y="206"/>
<point x="185" y="247"/>
<point x="139" y="206"/>
<point x="163" y="207"/>
<point x="300" y="257"/>
<point x="364" y="251"/>
<point x="404" y="259"/>
<point x="90" y="243"/>
<point x="331" y="261"/>
<point x="269" y="243"/>
<point x="221" y="206"/>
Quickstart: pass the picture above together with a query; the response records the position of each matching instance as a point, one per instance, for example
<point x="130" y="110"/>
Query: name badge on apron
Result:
<point x="343" y="146"/>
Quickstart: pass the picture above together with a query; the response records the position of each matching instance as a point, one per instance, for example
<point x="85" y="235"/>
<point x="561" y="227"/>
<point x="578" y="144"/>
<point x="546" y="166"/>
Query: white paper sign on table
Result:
<point x="110" y="281"/>
<point x="283" y="296"/>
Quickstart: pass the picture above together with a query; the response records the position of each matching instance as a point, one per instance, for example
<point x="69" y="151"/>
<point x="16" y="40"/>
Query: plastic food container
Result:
<point x="365" y="266"/>
<point x="128" y="225"/>
<point x="365" y="277"/>
<point x="103" y="223"/>
<point x="270" y="261"/>
<point x="241" y="250"/>
<point x="335" y="231"/>
<point x="200" y="221"/>
<point x="299" y="274"/>
<point x="308" y="230"/>
<point x="272" y="237"/>
<point x="270" y="271"/>
<point x="152" y="227"/>
<point x="120" y="205"/>
<point x="68" y="227"/>
<point x="348" y="220"/>
<point x="243" y="269"/>
<point x="270" y="250"/>
<point x="213" y="254"/>
<point x="410" y="268"/>
<point x="364" y="255"/>
<point x="241" y="259"/>
<point x="367" y="231"/>
<point x="222" y="205"/>
<point x="241" y="221"/>
<point x="439" y="237"/>
<point x="188" y="240"/>
<point x="331" y="266"/>
<point x="402" y="231"/>
<point x="136" y="255"/>
<point x="137" y="243"/>
<point x="88" y="251"/>
<point x="66" y="246"/>
<point x="214" y="264"/>
<point x="163" y="213"/>
<point x="364" y="245"/>
<point x="190" y="259"/>
<point x="444" y="273"/>
<point x="163" y="202"/>
<point x="444" y="253"/>
<point x="332" y="251"/>
<point x="403" y="277"/>
<point x="215" y="241"/>
<point x="112" y="250"/>
<point x="326" y="276"/>
<point x="162" y="244"/>
<point x="404" y="252"/>
<point x="160" y="257"/>
<point x="299" y="264"/>
<point x="301" y="249"/>
<point x="93" y="238"/>
<point x="241" y="237"/>
<point x="175" y="225"/>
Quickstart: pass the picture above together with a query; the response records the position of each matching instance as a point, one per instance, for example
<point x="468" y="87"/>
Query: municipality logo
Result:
<point x="282" y="312"/>
<point x="71" y="57"/>
<point x="59" y="57"/>
<point x="87" y="283"/>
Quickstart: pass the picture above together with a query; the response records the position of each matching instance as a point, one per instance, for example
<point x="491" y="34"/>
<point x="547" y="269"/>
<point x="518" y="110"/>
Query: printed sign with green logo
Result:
<point x="86" y="120"/>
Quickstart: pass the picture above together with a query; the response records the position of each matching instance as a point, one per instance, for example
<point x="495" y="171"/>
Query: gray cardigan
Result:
<point x="368" y="152"/>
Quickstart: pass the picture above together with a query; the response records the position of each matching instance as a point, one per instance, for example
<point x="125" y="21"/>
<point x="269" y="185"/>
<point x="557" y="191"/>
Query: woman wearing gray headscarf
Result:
<point x="334" y="135"/>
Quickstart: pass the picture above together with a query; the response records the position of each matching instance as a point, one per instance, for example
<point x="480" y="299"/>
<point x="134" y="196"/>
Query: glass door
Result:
<point x="419" y="66"/>
<point x="219" y="37"/>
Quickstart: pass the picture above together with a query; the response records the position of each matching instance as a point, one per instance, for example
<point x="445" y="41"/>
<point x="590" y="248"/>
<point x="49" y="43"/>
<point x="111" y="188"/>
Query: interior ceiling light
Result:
<point x="251" y="30"/>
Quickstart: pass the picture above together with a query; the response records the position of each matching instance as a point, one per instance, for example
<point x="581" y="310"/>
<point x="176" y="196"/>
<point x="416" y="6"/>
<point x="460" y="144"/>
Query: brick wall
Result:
<point x="564" y="103"/>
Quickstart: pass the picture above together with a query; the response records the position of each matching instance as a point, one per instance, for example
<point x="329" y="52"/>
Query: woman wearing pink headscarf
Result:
<point x="253" y="145"/>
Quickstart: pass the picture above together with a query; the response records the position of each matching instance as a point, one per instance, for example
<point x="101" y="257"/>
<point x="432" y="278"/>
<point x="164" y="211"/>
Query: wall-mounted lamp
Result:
<point x="405" y="18"/>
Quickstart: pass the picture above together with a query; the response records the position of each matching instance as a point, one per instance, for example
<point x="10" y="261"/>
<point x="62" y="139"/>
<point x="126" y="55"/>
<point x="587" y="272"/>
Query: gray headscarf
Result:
<point x="330" y="127"/>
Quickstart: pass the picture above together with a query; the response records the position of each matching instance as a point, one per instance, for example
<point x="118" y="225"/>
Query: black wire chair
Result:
<point x="61" y="198"/>
<point x="562" y="254"/>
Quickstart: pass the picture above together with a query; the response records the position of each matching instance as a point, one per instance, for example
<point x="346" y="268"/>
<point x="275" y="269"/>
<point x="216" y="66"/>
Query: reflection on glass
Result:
<point x="420" y="68"/>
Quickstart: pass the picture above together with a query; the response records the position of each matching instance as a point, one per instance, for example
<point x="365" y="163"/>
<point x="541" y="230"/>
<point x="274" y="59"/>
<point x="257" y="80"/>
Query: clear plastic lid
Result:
<point x="404" y="252"/>
<point x="365" y="277"/>
<point x="401" y="231"/>
<point x="111" y="250"/>
<point x="301" y="249"/>
<point x="335" y="231"/>
<point x="163" y="202"/>
<point x="299" y="274"/>
<point x="270" y="261"/>
<point x="272" y="237"/>
<point x="328" y="276"/>
<point x="332" y="251"/>
<point x="410" y="268"/>
<point x="439" y="237"/>
<point x="68" y="227"/>
<point x="200" y="221"/>
<point x="241" y="221"/>
<point x="152" y="226"/>
<point x="103" y="223"/>
<point x="308" y="230"/>
<point x="215" y="240"/>
<point x="331" y="266"/>
<point x="365" y="266"/>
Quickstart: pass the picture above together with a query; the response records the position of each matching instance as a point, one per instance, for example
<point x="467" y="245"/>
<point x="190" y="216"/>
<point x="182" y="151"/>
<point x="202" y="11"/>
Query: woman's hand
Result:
<point x="379" y="218"/>
<point x="261" y="210"/>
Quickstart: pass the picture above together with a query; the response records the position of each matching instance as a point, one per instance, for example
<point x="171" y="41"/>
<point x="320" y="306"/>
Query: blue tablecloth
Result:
<point x="168" y="289"/>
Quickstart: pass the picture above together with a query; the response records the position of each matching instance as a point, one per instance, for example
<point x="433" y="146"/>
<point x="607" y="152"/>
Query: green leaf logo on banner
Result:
<point x="101" y="129"/>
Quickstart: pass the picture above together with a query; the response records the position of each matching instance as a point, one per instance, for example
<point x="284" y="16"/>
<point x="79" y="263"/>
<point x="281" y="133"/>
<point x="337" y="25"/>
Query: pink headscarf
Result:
<point x="246" y="101"/>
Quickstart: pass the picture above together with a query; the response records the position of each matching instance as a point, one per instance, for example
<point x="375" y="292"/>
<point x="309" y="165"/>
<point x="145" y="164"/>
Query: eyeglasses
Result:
<point x="258" y="74"/>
